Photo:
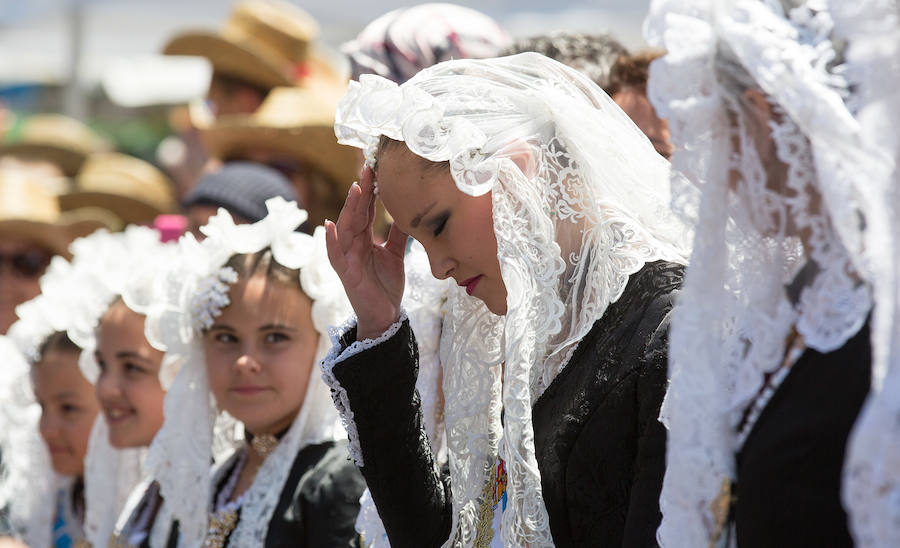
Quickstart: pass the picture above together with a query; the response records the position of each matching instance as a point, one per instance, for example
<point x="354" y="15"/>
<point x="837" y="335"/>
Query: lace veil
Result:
<point x="27" y="480"/>
<point x="589" y="208"/>
<point x="195" y="433"/>
<point x="781" y="232"/>
<point x="872" y="468"/>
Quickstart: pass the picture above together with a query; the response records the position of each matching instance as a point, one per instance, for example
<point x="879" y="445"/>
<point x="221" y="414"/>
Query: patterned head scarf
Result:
<point x="402" y="42"/>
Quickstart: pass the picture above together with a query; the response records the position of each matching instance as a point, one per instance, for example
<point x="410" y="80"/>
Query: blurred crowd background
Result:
<point x="117" y="112"/>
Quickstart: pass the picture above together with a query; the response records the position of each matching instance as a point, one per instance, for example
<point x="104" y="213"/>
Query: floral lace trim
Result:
<point x="211" y="297"/>
<point x="336" y="355"/>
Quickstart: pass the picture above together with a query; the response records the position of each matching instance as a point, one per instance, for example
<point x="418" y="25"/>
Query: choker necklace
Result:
<point x="264" y="444"/>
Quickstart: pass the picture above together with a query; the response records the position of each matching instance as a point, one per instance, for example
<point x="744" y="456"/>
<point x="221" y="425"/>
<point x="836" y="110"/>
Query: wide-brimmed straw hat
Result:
<point x="267" y="43"/>
<point x="30" y="212"/>
<point x="294" y="121"/>
<point x="134" y="190"/>
<point x="63" y="141"/>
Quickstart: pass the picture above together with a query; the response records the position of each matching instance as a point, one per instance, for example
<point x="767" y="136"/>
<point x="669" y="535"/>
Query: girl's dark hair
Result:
<point x="57" y="342"/>
<point x="262" y="262"/>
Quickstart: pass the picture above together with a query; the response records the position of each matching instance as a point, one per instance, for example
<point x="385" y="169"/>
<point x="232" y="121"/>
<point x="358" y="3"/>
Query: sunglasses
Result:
<point x="27" y="264"/>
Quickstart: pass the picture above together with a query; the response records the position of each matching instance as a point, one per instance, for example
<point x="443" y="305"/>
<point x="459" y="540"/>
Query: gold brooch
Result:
<point x="264" y="444"/>
<point x="221" y="524"/>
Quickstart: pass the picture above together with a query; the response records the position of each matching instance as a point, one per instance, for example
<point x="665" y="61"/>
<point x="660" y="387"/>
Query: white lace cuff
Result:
<point x="336" y="355"/>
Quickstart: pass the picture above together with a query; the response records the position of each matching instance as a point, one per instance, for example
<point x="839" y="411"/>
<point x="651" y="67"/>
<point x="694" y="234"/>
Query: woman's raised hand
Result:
<point x="372" y="274"/>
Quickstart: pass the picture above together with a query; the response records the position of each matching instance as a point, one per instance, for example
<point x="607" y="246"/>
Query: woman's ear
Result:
<point x="523" y="155"/>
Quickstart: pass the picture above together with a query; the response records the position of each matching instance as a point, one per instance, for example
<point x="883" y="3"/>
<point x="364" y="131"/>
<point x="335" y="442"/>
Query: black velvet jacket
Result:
<point x="319" y="501"/>
<point x="599" y="445"/>
<point x="789" y="469"/>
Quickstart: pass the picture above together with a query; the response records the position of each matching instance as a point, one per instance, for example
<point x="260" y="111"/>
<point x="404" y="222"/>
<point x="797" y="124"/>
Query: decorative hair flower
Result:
<point x="211" y="297"/>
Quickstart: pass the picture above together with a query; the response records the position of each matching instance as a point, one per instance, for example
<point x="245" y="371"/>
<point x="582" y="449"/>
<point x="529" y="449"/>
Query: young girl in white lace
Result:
<point x="130" y="378"/>
<point x="531" y="189"/>
<point x="770" y="354"/>
<point x="56" y="333"/>
<point x="247" y="310"/>
<point x="130" y="393"/>
<point x="68" y="410"/>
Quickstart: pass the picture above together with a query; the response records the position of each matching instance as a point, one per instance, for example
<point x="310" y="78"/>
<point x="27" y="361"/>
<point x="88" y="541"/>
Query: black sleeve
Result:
<point x="411" y="495"/>
<point x="331" y="505"/>
<point x="644" y="514"/>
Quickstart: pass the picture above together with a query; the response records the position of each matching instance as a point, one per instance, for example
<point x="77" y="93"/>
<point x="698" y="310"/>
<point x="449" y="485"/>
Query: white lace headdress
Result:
<point x="73" y="298"/>
<point x="736" y="313"/>
<point x="192" y="294"/>
<point x="27" y="480"/>
<point x="871" y="493"/>
<point x="589" y="209"/>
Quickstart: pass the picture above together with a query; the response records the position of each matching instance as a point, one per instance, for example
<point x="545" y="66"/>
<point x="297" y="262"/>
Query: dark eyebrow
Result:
<point x="418" y="218"/>
<point x="124" y="355"/>
<point x="65" y="396"/>
<point x="276" y="326"/>
<point x="221" y="327"/>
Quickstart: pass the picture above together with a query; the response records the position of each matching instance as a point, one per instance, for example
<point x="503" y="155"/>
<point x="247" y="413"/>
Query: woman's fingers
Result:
<point x="349" y="224"/>
<point x="335" y="253"/>
<point x="367" y="188"/>
<point x="396" y="242"/>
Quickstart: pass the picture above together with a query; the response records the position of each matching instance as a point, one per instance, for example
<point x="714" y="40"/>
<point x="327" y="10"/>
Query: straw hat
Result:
<point x="133" y="189"/>
<point x="59" y="139"/>
<point x="295" y="121"/>
<point x="263" y="42"/>
<point x="31" y="212"/>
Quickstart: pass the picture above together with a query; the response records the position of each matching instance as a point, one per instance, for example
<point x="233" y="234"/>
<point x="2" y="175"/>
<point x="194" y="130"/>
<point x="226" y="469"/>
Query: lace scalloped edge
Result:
<point x="338" y="393"/>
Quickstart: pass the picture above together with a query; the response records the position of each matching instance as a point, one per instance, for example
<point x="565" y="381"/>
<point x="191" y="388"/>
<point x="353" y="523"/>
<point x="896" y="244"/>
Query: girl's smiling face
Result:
<point x="128" y="387"/>
<point x="260" y="353"/>
<point x="68" y="409"/>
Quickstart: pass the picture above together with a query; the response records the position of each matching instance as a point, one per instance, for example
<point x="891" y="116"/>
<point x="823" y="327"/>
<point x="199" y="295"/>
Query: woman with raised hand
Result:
<point x="247" y="311"/>
<point x="531" y="189"/>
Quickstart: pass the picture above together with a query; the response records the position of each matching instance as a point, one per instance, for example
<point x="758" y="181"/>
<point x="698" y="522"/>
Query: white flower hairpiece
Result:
<point x="211" y="297"/>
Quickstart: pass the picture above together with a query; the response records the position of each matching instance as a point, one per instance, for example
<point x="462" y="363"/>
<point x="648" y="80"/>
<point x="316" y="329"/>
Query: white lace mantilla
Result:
<point x="872" y="469"/>
<point x="755" y="236"/>
<point x="110" y="475"/>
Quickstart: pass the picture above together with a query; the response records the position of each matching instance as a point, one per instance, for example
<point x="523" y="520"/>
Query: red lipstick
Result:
<point x="470" y="283"/>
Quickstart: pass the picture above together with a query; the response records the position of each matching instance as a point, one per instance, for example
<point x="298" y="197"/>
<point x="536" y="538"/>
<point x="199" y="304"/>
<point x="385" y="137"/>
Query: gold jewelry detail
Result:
<point x="221" y="524"/>
<point x="81" y="543"/>
<point x="264" y="444"/>
<point x="484" y="528"/>
<point x="118" y="541"/>
<point x="721" y="507"/>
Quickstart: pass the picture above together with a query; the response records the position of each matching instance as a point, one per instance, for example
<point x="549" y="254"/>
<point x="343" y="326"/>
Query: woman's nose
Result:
<point x="246" y="362"/>
<point x="107" y="386"/>
<point x="441" y="264"/>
